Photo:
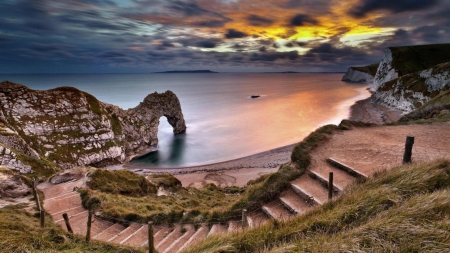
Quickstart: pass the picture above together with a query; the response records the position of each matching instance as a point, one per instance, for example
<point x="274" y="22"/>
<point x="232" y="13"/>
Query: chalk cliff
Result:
<point x="399" y="61"/>
<point x="411" y="91"/>
<point x="69" y="127"/>
<point x="364" y="74"/>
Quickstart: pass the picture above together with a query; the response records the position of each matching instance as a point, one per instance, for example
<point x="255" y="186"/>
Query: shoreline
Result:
<point x="237" y="172"/>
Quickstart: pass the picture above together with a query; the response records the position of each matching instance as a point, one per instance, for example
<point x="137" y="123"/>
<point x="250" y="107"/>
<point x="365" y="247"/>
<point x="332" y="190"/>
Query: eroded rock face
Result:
<point x="355" y="76"/>
<point x="413" y="90"/>
<point x="70" y="127"/>
<point x="386" y="72"/>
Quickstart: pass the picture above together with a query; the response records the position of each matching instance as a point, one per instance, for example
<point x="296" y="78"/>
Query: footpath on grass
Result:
<point x="349" y="154"/>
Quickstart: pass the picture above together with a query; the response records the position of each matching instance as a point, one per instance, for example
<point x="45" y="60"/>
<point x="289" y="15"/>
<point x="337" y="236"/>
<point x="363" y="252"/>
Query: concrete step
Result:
<point x="256" y="218"/>
<point x="160" y="235"/>
<point x="169" y="239"/>
<point x="180" y="241"/>
<point x="294" y="202"/>
<point x="234" y="226"/>
<point x="78" y="222"/>
<point x="109" y="233"/>
<point x="59" y="189"/>
<point x="311" y="190"/>
<point x="217" y="229"/>
<point x="199" y="235"/>
<point x="350" y="170"/>
<point x="133" y="227"/>
<point x="276" y="210"/>
<point x="61" y="196"/>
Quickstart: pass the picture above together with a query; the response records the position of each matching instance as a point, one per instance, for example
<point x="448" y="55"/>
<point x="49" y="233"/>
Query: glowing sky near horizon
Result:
<point x="222" y="35"/>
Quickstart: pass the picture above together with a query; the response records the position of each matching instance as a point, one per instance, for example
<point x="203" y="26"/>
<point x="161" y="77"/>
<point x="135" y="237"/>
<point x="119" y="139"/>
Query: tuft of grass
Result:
<point x="167" y="181"/>
<point x="20" y="232"/>
<point x="122" y="182"/>
<point x="435" y="110"/>
<point x="406" y="209"/>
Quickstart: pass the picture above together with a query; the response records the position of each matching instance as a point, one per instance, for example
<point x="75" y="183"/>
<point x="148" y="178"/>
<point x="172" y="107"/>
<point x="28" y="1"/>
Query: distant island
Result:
<point x="187" y="71"/>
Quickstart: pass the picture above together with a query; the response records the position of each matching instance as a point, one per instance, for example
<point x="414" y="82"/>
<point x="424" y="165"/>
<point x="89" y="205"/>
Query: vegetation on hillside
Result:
<point x="406" y="209"/>
<point x="411" y="59"/>
<point x="437" y="109"/>
<point x="120" y="194"/>
<point x="20" y="232"/>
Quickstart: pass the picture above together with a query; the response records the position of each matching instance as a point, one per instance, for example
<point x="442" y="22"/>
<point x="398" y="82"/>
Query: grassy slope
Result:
<point x="411" y="59"/>
<point x="126" y="195"/>
<point x="20" y="232"/>
<point x="404" y="210"/>
<point x="435" y="110"/>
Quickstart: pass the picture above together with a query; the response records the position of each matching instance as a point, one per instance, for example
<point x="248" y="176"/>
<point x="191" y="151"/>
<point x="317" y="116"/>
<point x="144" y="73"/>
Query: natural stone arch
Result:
<point x="140" y="126"/>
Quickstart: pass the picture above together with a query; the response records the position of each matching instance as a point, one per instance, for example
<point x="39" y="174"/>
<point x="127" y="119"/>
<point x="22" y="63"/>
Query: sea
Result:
<point x="223" y="121"/>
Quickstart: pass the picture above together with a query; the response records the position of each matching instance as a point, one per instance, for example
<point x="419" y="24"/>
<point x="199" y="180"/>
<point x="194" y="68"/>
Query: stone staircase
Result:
<point x="305" y="192"/>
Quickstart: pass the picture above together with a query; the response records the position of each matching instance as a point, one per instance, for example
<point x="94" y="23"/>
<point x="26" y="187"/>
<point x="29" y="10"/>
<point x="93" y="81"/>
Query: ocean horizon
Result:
<point x="223" y="121"/>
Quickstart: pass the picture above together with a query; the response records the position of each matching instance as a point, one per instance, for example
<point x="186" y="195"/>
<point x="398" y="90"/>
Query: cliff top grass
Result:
<point x="435" y="110"/>
<point x="126" y="195"/>
<point x="20" y="232"/>
<point x="406" y="209"/>
<point x="371" y="69"/>
<point x="411" y="59"/>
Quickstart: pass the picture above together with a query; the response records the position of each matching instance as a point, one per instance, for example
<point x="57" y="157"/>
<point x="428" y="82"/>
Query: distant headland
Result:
<point x="187" y="71"/>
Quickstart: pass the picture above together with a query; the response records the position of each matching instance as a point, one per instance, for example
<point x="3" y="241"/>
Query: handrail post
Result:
<point x="408" y="149"/>
<point x="89" y="223"/>
<point x="66" y="220"/>
<point x="151" y="247"/>
<point x="244" y="218"/>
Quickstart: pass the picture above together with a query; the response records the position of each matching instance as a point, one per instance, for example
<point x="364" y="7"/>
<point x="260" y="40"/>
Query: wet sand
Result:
<point x="239" y="171"/>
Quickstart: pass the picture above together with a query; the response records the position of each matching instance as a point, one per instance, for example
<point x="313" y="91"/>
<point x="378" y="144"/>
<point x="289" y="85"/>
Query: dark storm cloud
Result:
<point x="212" y="23"/>
<point x="273" y="56"/>
<point x="396" y="6"/>
<point x="207" y="44"/>
<point x="235" y="34"/>
<point x="111" y="55"/>
<point x="302" y="19"/>
<point x="256" y="20"/>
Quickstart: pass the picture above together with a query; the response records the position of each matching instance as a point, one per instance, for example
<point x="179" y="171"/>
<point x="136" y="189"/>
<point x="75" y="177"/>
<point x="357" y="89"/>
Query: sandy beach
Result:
<point x="238" y="172"/>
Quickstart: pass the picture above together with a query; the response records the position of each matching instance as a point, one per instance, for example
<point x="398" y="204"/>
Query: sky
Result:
<point x="144" y="36"/>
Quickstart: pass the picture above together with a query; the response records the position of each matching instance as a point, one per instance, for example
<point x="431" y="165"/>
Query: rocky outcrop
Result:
<point x="400" y="61"/>
<point x="69" y="127"/>
<point x="12" y="186"/>
<point x="413" y="90"/>
<point x="364" y="74"/>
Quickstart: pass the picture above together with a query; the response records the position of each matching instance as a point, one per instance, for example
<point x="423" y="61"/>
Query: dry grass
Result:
<point x="404" y="210"/>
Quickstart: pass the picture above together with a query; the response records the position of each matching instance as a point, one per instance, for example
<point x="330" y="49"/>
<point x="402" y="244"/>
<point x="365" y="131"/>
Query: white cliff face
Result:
<point x="356" y="76"/>
<point x="413" y="90"/>
<point x="69" y="127"/>
<point x="386" y="72"/>
<point x="10" y="160"/>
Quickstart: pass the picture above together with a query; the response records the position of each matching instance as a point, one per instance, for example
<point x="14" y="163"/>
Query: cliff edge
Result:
<point x="363" y="74"/>
<point x="68" y="127"/>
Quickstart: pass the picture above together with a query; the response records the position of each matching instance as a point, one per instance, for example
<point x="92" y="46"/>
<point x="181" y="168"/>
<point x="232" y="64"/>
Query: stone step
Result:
<point x="256" y="218"/>
<point x="137" y="238"/>
<point x="78" y="222"/>
<point x="160" y="235"/>
<point x="169" y="239"/>
<point x="234" y="226"/>
<point x="310" y="190"/>
<point x="294" y="202"/>
<point x="276" y="210"/>
<point x="324" y="181"/>
<point x="62" y="204"/>
<point x="125" y="233"/>
<point x="218" y="229"/>
<point x="59" y="189"/>
<point x="199" y="235"/>
<point x="98" y="226"/>
<point x="62" y="196"/>
<point x="57" y="217"/>
<point x="110" y="232"/>
<point x="178" y="243"/>
<point x="352" y="171"/>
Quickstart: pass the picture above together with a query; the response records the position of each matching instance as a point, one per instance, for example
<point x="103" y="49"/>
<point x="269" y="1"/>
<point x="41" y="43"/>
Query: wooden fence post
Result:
<point x="151" y="247"/>
<point x="66" y="220"/>
<point x="330" y="186"/>
<point x="38" y="204"/>
<point x="244" y="218"/>
<point x="42" y="214"/>
<point x="408" y="149"/>
<point x="89" y="223"/>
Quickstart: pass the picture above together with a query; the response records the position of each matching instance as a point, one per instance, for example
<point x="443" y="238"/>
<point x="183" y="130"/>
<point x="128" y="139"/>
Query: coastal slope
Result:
<point x="68" y="127"/>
